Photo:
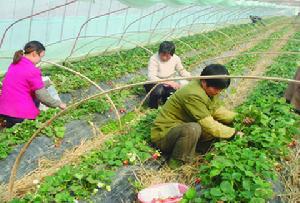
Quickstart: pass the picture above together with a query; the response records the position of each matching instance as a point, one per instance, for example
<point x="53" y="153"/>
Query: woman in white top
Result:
<point x="163" y="65"/>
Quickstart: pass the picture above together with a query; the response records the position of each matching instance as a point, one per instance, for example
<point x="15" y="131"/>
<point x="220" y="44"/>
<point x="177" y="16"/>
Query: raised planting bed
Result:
<point x="77" y="130"/>
<point x="245" y="169"/>
<point x="12" y="137"/>
<point x="240" y="170"/>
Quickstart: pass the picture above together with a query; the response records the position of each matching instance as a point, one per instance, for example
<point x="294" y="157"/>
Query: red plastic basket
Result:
<point x="162" y="193"/>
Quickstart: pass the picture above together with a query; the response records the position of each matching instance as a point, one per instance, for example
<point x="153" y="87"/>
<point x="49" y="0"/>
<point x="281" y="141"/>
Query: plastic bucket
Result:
<point x="162" y="193"/>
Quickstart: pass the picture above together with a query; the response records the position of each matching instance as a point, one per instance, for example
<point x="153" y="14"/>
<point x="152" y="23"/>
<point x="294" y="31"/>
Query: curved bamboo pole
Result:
<point x="194" y="21"/>
<point x="202" y="34"/>
<point x="169" y="35"/>
<point x="112" y="37"/>
<point x="72" y="106"/>
<point x="147" y="95"/>
<point x="235" y="14"/>
<point x="238" y="41"/>
<point x="279" y="39"/>
<point x="87" y="21"/>
<point x="197" y="18"/>
<point x="149" y="51"/>
<point x="91" y="82"/>
<point x="29" y="16"/>
<point x="132" y="32"/>
<point x="253" y="53"/>
<point x="227" y="56"/>
<point x="163" y="18"/>
<point x="176" y="24"/>
<point x="140" y="18"/>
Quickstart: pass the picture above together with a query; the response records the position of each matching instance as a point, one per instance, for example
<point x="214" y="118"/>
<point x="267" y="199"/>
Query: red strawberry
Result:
<point x="125" y="163"/>
<point x="155" y="156"/>
<point x="122" y="110"/>
<point x="198" y="181"/>
<point x="292" y="144"/>
<point x="110" y="83"/>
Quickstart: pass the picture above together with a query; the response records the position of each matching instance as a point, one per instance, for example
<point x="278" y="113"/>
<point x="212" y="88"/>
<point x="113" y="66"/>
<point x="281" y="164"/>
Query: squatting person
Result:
<point x="193" y="117"/>
<point x="163" y="65"/>
<point x="23" y="87"/>
<point x="292" y="93"/>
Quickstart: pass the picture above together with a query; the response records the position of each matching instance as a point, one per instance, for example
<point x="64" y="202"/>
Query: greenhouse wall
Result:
<point x="74" y="28"/>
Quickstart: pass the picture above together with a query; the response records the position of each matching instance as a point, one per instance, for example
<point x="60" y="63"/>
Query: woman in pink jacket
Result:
<point x="23" y="87"/>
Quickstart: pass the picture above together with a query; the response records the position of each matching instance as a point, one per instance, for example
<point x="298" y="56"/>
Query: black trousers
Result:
<point x="159" y="95"/>
<point x="8" y="122"/>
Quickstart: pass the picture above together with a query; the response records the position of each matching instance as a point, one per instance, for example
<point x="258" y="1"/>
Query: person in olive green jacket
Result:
<point x="193" y="115"/>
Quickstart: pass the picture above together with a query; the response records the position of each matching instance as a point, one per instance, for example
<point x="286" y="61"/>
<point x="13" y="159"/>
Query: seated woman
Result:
<point x="292" y="93"/>
<point x="193" y="117"/>
<point x="164" y="65"/>
<point x="23" y="88"/>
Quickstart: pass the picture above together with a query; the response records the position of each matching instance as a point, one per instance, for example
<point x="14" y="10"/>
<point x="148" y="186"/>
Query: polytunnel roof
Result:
<point x="241" y="3"/>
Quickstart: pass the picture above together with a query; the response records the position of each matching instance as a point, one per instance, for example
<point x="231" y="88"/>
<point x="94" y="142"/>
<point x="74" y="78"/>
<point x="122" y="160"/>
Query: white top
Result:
<point x="158" y="69"/>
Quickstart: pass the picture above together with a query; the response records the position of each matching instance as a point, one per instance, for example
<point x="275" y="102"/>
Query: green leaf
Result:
<point x="60" y="131"/>
<point x="191" y="194"/>
<point x="198" y="200"/>
<point x="92" y="180"/>
<point x="63" y="197"/>
<point x="263" y="193"/>
<point x="216" y="192"/>
<point x="257" y="200"/>
<point x="214" y="172"/>
<point x="226" y="187"/>
<point x="246" y="184"/>
<point x="236" y="176"/>
<point x="184" y="201"/>
<point x="78" y="176"/>
<point x="249" y="173"/>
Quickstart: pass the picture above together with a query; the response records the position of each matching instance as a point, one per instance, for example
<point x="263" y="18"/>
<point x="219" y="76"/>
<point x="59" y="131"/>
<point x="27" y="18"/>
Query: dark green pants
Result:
<point x="182" y="141"/>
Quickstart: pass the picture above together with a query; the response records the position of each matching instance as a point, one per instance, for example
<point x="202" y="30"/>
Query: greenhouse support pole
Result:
<point x="12" y="30"/>
<point x="125" y="20"/>
<point x="47" y="26"/>
<point x="140" y="22"/>
<point x="63" y="22"/>
<point x="89" y="15"/>
<point x="26" y="17"/>
<point x="107" y="19"/>
<point x="30" y="21"/>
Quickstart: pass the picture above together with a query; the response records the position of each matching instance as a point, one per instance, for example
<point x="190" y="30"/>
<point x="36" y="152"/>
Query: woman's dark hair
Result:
<point x="167" y="47"/>
<point x="29" y="47"/>
<point x="216" y="69"/>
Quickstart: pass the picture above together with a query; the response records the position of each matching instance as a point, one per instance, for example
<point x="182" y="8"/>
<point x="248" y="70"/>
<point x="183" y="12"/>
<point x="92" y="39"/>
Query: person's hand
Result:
<point x="62" y="106"/>
<point x="173" y="84"/>
<point x="248" y="121"/>
<point x="48" y="83"/>
<point x="239" y="134"/>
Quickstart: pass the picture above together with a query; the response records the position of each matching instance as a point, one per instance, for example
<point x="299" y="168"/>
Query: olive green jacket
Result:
<point x="192" y="104"/>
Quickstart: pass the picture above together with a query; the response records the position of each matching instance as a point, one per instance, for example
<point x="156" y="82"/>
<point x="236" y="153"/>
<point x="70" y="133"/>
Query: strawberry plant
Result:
<point x="243" y="170"/>
<point x="73" y="182"/>
<point x="97" y="168"/>
<point x="122" y="63"/>
<point x="113" y="65"/>
<point x="21" y="132"/>
<point x="245" y="60"/>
